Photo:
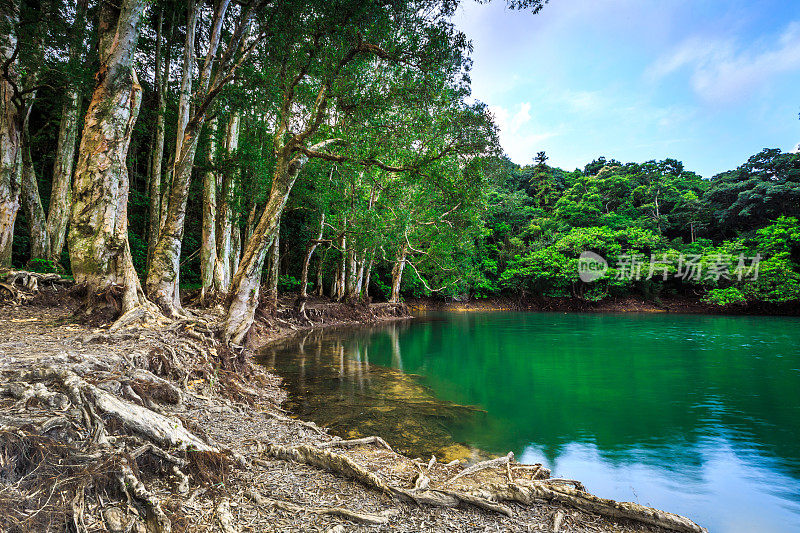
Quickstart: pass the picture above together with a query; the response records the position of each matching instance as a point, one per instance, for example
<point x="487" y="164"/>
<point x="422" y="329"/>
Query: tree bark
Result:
<point x="98" y="236"/>
<point x="155" y="186"/>
<point x="32" y="202"/>
<point x="61" y="188"/>
<point x="245" y="286"/>
<point x="163" y="276"/>
<point x="225" y="214"/>
<point x="320" y="288"/>
<point x="10" y="132"/>
<point x="307" y="261"/>
<point x="367" y="274"/>
<point x="274" y="267"/>
<point x="397" y="273"/>
<point x="208" y="249"/>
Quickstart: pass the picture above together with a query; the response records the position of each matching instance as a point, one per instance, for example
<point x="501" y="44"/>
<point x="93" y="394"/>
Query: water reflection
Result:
<point x="339" y="389"/>
<point x="698" y="415"/>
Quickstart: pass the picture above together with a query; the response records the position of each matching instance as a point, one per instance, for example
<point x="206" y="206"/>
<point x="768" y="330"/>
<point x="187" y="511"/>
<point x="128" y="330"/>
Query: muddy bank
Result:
<point x="161" y="429"/>
<point x="627" y="304"/>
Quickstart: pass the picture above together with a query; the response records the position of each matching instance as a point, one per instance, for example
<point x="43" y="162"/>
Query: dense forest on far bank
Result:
<point x="226" y="153"/>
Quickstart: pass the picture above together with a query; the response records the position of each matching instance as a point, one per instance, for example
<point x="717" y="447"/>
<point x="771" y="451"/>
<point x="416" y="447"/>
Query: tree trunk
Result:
<point x="243" y="296"/>
<point x="61" y="188"/>
<point x="362" y="265"/>
<point x="397" y="273"/>
<point x="251" y="222"/>
<point x="225" y="213"/>
<point x="32" y="202"/>
<point x="61" y="191"/>
<point x="163" y="276"/>
<point x="98" y="237"/>
<point x="208" y="249"/>
<point x="307" y="262"/>
<point x="320" y="270"/>
<point x="367" y="274"/>
<point x="156" y="162"/>
<point x="351" y="281"/>
<point x="275" y="267"/>
<point x="341" y="268"/>
<point x="10" y="134"/>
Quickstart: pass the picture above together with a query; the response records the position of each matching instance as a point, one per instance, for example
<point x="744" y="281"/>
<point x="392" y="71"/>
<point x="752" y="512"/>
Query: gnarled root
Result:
<point x="357" y="442"/>
<point x="526" y="492"/>
<point x="156" y="519"/>
<point x="154" y="426"/>
<point x="342" y="464"/>
<point x="359" y="518"/>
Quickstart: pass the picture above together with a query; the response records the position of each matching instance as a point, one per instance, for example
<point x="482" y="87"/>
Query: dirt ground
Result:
<point x="41" y="491"/>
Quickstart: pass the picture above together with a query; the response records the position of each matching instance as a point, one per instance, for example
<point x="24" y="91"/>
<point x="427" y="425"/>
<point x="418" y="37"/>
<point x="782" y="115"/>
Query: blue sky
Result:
<point x="708" y="82"/>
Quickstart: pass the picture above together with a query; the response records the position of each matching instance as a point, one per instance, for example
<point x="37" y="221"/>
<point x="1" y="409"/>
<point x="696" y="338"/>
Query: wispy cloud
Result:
<point x="724" y="71"/>
<point x="519" y="135"/>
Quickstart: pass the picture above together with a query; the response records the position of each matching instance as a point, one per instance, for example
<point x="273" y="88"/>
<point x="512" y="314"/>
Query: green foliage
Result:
<point x="43" y="266"/>
<point x="725" y="297"/>
<point x="287" y="283"/>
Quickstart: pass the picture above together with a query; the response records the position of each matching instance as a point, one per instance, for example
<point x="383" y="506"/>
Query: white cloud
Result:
<point x="519" y="136"/>
<point x="511" y="123"/>
<point x="721" y="71"/>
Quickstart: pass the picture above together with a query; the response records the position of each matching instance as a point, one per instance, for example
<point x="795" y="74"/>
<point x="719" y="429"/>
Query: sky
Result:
<point x="708" y="82"/>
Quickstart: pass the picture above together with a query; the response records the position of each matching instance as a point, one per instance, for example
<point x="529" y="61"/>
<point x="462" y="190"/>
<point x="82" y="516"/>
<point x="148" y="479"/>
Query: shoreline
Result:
<point x="275" y="472"/>
<point x="627" y="304"/>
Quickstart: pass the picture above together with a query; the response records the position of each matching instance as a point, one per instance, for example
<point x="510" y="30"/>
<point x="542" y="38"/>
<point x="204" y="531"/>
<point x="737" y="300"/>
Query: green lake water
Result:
<point x="698" y="415"/>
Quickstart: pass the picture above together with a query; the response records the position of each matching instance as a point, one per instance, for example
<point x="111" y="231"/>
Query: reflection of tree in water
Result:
<point x="331" y="381"/>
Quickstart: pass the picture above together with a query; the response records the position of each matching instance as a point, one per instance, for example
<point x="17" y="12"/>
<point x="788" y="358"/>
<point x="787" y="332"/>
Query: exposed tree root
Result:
<point x="522" y="491"/>
<point x="483" y="465"/>
<point x="224" y="517"/>
<point x="357" y="442"/>
<point x="359" y="518"/>
<point x="156" y="427"/>
<point x="526" y="492"/>
<point x="342" y="464"/>
<point x="157" y="521"/>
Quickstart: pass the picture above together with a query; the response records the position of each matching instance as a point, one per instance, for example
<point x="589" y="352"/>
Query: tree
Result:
<point x="99" y="250"/>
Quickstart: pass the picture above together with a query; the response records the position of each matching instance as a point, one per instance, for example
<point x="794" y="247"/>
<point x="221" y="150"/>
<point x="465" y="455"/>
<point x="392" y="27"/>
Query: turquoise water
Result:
<point x="698" y="415"/>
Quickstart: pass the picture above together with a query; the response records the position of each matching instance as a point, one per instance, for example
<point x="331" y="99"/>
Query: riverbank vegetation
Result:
<point x="212" y="147"/>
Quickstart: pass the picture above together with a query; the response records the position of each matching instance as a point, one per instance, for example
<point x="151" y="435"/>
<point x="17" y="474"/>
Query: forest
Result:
<point x="160" y="152"/>
<point x="188" y="185"/>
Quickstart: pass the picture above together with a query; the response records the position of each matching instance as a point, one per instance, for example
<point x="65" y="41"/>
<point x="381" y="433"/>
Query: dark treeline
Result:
<point x="245" y="150"/>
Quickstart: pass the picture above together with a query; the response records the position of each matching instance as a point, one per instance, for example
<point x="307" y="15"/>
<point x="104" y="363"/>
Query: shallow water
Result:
<point x="699" y="415"/>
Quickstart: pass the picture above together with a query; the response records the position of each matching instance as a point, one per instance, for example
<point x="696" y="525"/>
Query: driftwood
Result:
<point x="289" y="507"/>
